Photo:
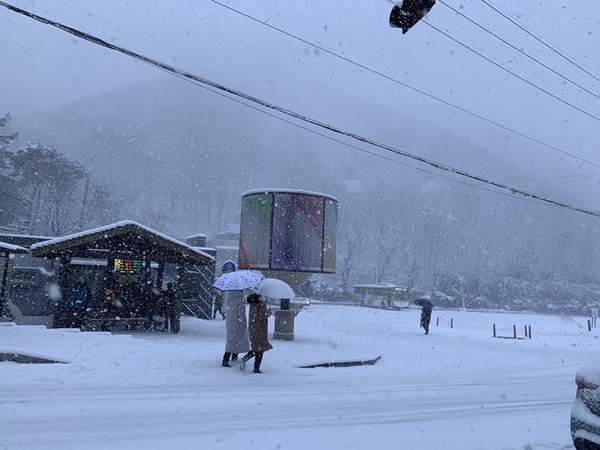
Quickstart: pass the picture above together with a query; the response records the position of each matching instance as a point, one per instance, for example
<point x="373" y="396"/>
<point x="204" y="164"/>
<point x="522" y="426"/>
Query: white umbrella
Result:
<point x="237" y="281"/>
<point x="274" y="288"/>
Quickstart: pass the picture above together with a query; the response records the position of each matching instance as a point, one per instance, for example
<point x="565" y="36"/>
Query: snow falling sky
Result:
<point x="45" y="67"/>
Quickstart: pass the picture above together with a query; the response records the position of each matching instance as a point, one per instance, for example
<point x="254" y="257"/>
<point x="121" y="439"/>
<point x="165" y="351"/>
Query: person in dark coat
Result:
<point x="258" y="332"/>
<point x="172" y="305"/>
<point x="427" y="307"/>
<point x="218" y="305"/>
<point x="77" y="304"/>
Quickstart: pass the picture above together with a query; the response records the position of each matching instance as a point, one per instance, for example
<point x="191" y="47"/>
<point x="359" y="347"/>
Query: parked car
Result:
<point x="300" y="302"/>
<point x="585" y="412"/>
<point x="296" y="302"/>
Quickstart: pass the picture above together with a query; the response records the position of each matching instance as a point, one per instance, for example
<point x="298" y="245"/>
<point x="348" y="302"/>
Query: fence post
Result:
<point x="514" y="331"/>
<point x="452" y="323"/>
<point x="437" y="322"/>
<point x="589" y="325"/>
<point x="494" y="328"/>
<point x="529" y="331"/>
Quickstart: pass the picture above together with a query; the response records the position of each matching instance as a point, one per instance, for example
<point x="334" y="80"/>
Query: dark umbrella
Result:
<point x="423" y="302"/>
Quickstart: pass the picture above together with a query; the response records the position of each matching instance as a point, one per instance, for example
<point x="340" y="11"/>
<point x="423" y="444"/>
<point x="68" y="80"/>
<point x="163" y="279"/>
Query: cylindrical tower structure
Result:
<point x="288" y="234"/>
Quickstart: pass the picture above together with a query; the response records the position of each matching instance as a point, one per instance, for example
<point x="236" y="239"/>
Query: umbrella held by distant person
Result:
<point x="427" y="307"/>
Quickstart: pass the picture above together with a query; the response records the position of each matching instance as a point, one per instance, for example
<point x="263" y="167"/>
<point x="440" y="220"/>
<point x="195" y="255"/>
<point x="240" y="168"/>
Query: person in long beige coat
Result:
<point x="258" y="331"/>
<point x="235" y="325"/>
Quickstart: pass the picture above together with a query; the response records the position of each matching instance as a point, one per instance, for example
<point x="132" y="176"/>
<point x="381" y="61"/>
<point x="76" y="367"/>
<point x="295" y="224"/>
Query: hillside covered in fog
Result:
<point x="178" y="158"/>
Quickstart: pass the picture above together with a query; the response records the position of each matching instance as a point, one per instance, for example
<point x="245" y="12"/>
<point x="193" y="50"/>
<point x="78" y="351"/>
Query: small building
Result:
<point x="227" y="245"/>
<point x="26" y="297"/>
<point x="124" y="264"/>
<point x="6" y="251"/>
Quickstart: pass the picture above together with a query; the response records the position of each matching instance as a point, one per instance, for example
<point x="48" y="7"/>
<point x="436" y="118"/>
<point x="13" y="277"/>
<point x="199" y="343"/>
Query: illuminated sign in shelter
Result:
<point x="128" y="265"/>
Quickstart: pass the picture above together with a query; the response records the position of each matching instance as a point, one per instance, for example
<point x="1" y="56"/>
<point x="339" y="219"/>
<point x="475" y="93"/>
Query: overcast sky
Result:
<point x="43" y="67"/>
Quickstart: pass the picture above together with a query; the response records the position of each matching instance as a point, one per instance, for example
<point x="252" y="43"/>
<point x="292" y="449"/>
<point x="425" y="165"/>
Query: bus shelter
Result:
<point x="123" y="264"/>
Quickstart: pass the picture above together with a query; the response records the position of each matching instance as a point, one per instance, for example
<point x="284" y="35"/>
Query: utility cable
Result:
<point x="184" y="74"/>
<point x="481" y="55"/>
<point x="561" y="176"/>
<point x="356" y="147"/>
<point x="539" y="39"/>
<point x="519" y="50"/>
<point x="419" y="91"/>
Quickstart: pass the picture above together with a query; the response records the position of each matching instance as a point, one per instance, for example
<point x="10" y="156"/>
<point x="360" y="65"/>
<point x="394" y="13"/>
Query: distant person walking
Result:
<point x="172" y="306"/>
<point x="258" y="331"/>
<point x="426" y="308"/>
<point x="218" y="304"/>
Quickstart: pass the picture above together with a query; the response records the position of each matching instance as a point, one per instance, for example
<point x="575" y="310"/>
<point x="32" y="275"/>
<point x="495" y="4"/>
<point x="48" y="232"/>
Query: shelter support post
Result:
<point x="160" y="275"/>
<point x="4" y="281"/>
<point x="175" y="312"/>
<point x="63" y="286"/>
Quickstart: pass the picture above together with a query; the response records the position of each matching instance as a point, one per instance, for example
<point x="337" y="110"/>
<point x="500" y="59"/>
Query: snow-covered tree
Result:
<point x="10" y="200"/>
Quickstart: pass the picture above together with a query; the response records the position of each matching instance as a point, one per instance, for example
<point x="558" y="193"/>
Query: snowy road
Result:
<point x="157" y="412"/>
<point x="135" y="392"/>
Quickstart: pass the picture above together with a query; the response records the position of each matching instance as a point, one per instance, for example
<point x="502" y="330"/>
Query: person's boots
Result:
<point x="226" y="357"/>
<point x="245" y="359"/>
<point x="257" y="361"/>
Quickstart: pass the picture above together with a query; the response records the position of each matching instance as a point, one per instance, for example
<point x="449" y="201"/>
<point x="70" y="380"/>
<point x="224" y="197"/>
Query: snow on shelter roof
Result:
<point x="11" y="248"/>
<point x="286" y="191"/>
<point x="125" y="237"/>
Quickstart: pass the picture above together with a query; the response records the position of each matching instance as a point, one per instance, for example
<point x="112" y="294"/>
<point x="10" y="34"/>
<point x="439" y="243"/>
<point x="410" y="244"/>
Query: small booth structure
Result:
<point x="288" y="234"/>
<point x="123" y="266"/>
<point x="6" y="250"/>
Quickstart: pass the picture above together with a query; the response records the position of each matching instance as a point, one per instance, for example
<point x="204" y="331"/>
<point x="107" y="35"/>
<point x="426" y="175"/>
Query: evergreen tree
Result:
<point x="10" y="200"/>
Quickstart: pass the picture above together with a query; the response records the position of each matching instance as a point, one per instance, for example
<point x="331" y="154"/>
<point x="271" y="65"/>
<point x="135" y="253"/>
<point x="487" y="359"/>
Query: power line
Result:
<point x="481" y="55"/>
<point x="539" y="39"/>
<point x="184" y="74"/>
<point x="356" y="147"/>
<point x="562" y="176"/>
<point x="519" y="50"/>
<point x="419" y="91"/>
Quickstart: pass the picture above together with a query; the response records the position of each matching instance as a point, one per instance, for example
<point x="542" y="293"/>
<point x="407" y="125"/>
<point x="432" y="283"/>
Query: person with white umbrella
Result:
<point x="259" y="336"/>
<point x="232" y="283"/>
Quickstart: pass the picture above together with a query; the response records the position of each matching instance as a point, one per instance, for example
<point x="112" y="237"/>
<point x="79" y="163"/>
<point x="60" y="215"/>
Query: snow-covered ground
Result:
<point x="457" y="388"/>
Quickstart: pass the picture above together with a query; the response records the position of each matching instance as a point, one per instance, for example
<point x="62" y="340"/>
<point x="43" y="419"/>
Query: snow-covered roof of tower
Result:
<point x="11" y="248"/>
<point x="197" y="235"/>
<point x="122" y="237"/>
<point x="290" y="191"/>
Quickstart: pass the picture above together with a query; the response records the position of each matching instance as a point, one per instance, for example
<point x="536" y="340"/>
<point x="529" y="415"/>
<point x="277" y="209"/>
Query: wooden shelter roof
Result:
<point x="121" y="239"/>
<point x="6" y="248"/>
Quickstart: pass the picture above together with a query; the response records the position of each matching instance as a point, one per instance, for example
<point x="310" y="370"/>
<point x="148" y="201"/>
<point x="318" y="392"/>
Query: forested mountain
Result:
<point x="178" y="158"/>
